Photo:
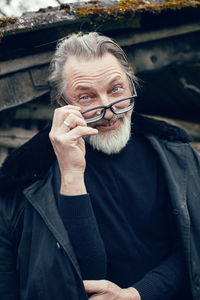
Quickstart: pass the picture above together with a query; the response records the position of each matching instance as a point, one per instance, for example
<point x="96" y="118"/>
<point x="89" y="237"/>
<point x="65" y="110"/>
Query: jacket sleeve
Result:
<point x="193" y="204"/>
<point x="79" y="219"/>
<point x="166" y="281"/>
<point x="8" y="273"/>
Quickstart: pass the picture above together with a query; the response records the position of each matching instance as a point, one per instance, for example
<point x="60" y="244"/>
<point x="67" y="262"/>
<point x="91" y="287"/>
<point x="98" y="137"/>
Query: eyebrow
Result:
<point x="115" y="79"/>
<point x="86" y="88"/>
<point x="82" y="88"/>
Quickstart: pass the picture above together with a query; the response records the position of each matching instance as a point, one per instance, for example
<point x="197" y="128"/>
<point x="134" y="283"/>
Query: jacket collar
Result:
<point x="32" y="160"/>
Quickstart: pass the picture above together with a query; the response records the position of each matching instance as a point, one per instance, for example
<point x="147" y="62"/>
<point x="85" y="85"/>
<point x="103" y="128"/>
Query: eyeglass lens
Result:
<point x="118" y="107"/>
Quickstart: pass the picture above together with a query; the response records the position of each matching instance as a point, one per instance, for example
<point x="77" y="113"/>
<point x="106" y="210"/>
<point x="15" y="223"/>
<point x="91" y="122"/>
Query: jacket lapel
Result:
<point x="171" y="155"/>
<point x="42" y="197"/>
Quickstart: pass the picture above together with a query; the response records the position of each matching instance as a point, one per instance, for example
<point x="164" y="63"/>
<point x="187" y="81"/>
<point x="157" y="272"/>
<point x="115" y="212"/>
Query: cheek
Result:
<point x="129" y="114"/>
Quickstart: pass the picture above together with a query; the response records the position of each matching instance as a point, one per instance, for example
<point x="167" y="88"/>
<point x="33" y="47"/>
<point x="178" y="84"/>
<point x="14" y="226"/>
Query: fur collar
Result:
<point x="32" y="160"/>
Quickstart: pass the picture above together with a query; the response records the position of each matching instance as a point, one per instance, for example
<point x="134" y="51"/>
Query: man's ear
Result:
<point x="59" y="101"/>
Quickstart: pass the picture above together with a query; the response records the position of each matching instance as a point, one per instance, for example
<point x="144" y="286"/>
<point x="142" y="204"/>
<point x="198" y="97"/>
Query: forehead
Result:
<point x="94" y="70"/>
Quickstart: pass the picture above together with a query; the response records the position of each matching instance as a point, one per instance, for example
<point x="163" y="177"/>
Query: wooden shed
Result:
<point x="161" y="39"/>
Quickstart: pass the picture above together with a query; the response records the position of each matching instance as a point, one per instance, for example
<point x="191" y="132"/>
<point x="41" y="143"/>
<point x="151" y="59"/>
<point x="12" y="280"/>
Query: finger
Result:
<point x="95" y="286"/>
<point x="73" y="120"/>
<point x="81" y="131"/>
<point x="71" y="107"/>
<point x="61" y="113"/>
<point x="97" y="297"/>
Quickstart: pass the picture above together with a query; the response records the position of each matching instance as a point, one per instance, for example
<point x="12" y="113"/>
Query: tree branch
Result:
<point x="2" y="13"/>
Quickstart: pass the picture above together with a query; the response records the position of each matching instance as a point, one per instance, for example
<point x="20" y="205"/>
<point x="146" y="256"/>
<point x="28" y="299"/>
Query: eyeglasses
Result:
<point x="118" y="107"/>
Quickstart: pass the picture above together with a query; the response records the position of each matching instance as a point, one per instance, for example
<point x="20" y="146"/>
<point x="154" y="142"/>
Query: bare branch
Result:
<point x="2" y="13"/>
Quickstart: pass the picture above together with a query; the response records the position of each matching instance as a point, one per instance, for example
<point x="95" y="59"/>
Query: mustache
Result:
<point x="106" y="122"/>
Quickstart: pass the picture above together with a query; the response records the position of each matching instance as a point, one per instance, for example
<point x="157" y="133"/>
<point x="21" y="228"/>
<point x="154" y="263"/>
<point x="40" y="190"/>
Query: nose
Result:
<point x="105" y="101"/>
<point x="109" y="114"/>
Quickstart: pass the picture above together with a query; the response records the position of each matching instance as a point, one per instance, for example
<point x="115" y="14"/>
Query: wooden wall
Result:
<point x="19" y="124"/>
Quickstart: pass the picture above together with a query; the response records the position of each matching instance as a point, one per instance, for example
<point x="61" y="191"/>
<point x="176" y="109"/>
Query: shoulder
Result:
<point x="162" y="130"/>
<point x="21" y="168"/>
<point x="11" y="215"/>
<point x="28" y="163"/>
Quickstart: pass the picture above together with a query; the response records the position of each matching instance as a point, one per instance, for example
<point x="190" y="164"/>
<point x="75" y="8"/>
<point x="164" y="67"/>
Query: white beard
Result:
<point x="112" y="141"/>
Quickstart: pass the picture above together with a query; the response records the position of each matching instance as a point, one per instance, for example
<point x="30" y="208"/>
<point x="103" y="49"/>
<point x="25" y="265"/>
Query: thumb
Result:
<point x="95" y="286"/>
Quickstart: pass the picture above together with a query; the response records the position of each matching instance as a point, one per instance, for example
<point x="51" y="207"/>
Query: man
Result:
<point x="111" y="210"/>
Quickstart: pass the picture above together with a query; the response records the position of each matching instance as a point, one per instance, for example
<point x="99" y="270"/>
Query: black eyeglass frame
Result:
<point x="105" y="107"/>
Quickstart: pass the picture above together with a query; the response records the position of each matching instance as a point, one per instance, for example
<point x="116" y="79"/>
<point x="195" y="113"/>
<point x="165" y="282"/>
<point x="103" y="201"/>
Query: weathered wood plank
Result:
<point x="34" y="112"/>
<point x="196" y="147"/>
<point x="3" y="154"/>
<point x="152" y="35"/>
<point x="29" y="61"/>
<point x="17" y="64"/>
<point x="15" y="137"/>
<point x="164" y="52"/>
<point x="22" y="87"/>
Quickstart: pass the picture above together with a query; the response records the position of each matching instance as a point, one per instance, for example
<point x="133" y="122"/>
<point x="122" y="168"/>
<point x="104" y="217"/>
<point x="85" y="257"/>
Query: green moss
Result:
<point x="6" y="21"/>
<point x="140" y="5"/>
<point x="41" y="10"/>
<point x="103" y="13"/>
<point x="93" y="2"/>
<point x="64" y="6"/>
<point x="179" y="4"/>
<point x="130" y="7"/>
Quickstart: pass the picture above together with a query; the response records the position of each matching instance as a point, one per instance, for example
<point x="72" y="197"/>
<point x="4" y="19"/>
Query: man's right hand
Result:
<point x="66" y="134"/>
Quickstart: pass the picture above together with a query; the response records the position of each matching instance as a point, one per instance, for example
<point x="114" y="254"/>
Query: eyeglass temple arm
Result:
<point x="63" y="98"/>
<point x="133" y="85"/>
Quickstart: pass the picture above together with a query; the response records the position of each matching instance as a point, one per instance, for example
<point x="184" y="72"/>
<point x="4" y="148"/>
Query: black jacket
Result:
<point x="36" y="257"/>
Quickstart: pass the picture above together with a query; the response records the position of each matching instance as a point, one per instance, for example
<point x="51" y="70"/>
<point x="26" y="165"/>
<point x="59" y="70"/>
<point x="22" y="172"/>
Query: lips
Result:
<point x="109" y="126"/>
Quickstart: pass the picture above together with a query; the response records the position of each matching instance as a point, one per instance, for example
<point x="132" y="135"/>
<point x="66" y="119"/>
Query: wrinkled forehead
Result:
<point x="94" y="68"/>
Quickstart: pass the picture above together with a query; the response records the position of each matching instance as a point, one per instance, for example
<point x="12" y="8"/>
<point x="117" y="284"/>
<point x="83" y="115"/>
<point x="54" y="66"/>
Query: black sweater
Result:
<point x="122" y="230"/>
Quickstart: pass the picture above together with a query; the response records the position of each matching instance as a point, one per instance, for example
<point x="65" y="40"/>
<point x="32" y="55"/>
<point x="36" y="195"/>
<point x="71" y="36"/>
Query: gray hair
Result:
<point x="86" y="46"/>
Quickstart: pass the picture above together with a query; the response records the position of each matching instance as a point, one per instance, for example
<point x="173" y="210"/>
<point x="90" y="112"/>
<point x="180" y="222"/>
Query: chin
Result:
<point x="112" y="141"/>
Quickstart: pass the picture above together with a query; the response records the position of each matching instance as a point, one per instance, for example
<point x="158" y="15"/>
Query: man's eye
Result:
<point x="84" y="97"/>
<point x="116" y="88"/>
